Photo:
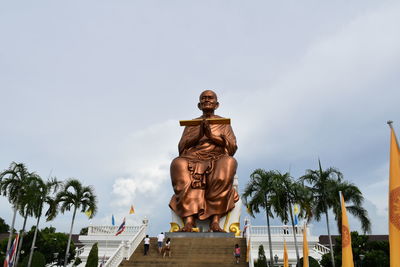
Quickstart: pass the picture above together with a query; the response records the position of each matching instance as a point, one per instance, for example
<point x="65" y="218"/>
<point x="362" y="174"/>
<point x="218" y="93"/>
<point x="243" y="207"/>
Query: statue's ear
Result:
<point x="199" y="105"/>
<point x="216" y="105"/>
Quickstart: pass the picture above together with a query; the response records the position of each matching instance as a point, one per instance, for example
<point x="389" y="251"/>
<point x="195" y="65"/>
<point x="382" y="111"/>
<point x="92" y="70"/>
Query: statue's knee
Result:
<point x="230" y="163"/>
<point x="178" y="164"/>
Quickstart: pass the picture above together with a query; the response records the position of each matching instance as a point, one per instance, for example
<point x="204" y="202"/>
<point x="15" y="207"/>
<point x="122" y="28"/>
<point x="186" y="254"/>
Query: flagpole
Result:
<point x="394" y="187"/>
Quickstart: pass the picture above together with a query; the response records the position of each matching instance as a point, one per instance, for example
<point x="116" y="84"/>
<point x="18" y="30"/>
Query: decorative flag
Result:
<point x="11" y="253"/>
<point x="347" y="253"/>
<point x="285" y="255"/>
<point x="296" y="209"/>
<point x="305" y="247"/>
<point x="89" y="213"/>
<point x="248" y="251"/>
<point x="132" y="210"/>
<point x="248" y="209"/>
<point x="394" y="199"/>
<point x="121" y="227"/>
<point x="113" y="220"/>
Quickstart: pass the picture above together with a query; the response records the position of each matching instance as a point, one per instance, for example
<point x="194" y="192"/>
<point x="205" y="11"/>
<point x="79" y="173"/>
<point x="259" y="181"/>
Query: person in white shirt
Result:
<point x="160" y="240"/>
<point x="146" y="244"/>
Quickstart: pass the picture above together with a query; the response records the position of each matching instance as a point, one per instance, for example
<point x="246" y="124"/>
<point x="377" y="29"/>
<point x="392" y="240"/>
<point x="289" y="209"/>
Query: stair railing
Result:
<point x="249" y="256"/>
<point x="126" y="248"/>
<point x="321" y="249"/>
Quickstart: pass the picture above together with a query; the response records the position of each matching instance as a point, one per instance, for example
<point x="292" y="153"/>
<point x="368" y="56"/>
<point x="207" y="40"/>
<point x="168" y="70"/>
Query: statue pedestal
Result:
<point x="229" y="223"/>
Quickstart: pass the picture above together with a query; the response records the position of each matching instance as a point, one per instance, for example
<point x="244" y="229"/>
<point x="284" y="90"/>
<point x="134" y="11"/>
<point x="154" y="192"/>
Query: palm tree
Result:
<point x="257" y="195"/>
<point x="16" y="182"/>
<point x="42" y="196"/>
<point x="10" y="182"/>
<point x="26" y="207"/>
<point x="80" y="197"/>
<point x="351" y="193"/>
<point x="325" y="186"/>
<point x="284" y="195"/>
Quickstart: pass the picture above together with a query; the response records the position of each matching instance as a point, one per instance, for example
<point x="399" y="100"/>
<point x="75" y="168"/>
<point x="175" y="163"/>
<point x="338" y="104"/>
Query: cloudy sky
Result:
<point x="95" y="89"/>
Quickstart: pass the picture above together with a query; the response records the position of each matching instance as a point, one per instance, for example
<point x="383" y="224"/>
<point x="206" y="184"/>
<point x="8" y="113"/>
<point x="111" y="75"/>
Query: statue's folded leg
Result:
<point x="186" y="202"/>
<point x="220" y="196"/>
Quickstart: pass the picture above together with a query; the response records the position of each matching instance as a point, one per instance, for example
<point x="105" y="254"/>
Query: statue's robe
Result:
<point x="202" y="175"/>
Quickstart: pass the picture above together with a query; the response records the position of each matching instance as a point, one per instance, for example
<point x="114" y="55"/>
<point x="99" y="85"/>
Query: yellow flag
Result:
<point x="88" y="213"/>
<point x="285" y="255"/>
<point x="296" y="209"/>
<point x="347" y="252"/>
<point x="394" y="201"/>
<point x="132" y="210"/>
<point x="305" y="247"/>
<point x="248" y="251"/>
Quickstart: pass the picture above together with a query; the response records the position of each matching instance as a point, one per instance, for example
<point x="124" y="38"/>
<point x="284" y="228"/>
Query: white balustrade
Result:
<point x="276" y="230"/>
<point x="126" y="248"/>
<point x="80" y="251"/>
<point x="111" y="230"/>
<point x="321" y="249"/>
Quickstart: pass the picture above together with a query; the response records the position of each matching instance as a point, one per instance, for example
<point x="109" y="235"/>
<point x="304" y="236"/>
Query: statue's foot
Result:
<point x="189" y="224"/>
<point x="188" y="227"/>
<point x="214" y="227"/>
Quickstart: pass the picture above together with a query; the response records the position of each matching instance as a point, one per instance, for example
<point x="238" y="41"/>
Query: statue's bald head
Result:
<point x="208" y="92"/>
<point x="208" y="101"/>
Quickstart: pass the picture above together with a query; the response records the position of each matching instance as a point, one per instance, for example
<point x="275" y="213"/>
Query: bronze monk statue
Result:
<point x="202" y="175"/>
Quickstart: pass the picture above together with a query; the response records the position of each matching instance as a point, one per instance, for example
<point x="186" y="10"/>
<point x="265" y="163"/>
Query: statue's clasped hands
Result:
<point x="205" y="129"/>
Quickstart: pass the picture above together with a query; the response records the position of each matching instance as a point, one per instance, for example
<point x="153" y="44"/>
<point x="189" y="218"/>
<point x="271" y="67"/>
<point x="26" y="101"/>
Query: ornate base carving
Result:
<point x="229" y="223"/>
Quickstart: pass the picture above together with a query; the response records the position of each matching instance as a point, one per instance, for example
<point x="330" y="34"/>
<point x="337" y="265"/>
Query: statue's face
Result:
<point x="208" y="101"/>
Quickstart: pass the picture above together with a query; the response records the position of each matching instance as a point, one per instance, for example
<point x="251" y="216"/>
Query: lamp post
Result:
<point x="362" y="256"/>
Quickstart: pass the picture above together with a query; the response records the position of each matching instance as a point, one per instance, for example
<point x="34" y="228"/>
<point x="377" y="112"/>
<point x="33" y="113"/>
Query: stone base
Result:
<point x="230" y="223"/>
<point x="200" y="235"/>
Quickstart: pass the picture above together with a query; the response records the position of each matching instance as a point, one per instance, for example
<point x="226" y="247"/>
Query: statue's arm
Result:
<point x="230" y="141"/>
<point x="190" y="138"/>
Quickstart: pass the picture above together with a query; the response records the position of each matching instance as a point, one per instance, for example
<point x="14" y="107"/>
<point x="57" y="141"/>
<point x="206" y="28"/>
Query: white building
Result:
<point x="258" y="235"/>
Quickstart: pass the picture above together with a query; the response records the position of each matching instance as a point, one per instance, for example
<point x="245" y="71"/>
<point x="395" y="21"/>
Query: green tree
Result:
<point x="3" y="246"/>
<point x="84" y="231"/>
<point x="77" y="261"/>
<point x="11" y="182"/>
<point x="25" y="206"/>
<point x="50" y="243"/>
<point x="37" y="260"/>
<point x="93" y="258"/>
<point x="257" y="195"/>
<point x="4" y="228"/>
<point x="325" y="186"/>
<point x="285" y="193"/>
<point x="311" y="262"/>
<point x="75" y="195"/>
<point x="42" y="196"/>
<point x="374" y="253"/>
<point x="261" y="260"/>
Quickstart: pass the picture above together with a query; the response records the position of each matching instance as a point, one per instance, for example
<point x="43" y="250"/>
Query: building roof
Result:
<point x="75" y="238"/>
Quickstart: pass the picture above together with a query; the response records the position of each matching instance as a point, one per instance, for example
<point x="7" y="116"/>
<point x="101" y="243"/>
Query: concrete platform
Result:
<point x="200" y="235"/>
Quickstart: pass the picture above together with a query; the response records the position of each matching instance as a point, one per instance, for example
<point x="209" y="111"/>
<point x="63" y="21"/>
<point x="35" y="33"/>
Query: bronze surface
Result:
<point x="202" y="175"/>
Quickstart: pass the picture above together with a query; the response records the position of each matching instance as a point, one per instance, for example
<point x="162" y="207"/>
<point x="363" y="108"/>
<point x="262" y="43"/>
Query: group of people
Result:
<point x="166" y="249"/>
<point x="162" y="250"/>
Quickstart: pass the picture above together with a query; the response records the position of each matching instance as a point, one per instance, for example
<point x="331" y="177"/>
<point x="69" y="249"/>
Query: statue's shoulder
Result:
<point x="215" y="116"/>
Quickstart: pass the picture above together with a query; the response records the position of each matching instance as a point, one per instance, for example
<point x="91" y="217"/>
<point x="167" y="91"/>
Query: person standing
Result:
<point x="167" y="248"/>
<point x="237" y="253"/>
<point x="160" y="241"/>
<point x="146" y="244"/>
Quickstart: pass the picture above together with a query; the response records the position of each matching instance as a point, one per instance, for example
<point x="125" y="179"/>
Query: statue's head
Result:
<point x="208" y="101"/>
